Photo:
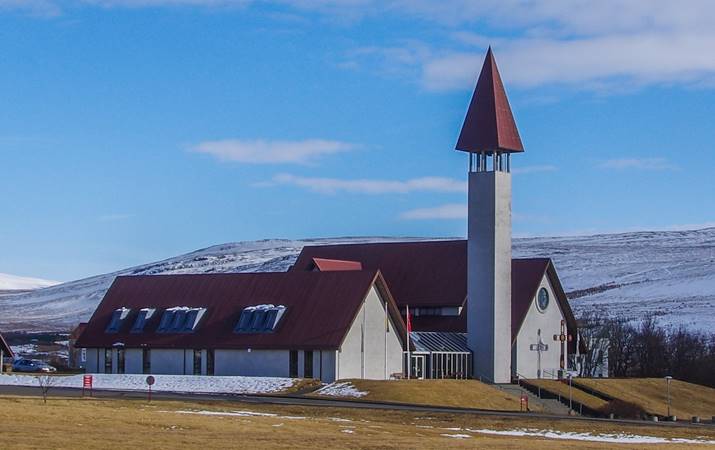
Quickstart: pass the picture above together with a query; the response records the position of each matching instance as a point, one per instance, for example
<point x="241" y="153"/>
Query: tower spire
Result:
<point x="489" y="125"/>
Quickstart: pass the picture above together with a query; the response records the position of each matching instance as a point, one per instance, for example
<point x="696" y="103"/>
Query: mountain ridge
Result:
<point x="670" y="274"/>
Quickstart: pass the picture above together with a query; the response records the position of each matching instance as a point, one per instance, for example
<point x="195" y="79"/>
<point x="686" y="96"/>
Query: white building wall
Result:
<point x="549" y="322"/>
<point x="256" y="363"/>
<point x="93" y="361"/>
<point x="327" y="374"/>
<point x="133" y="360"/>
<point x="167" y="361"/>
<point x="370" y="350"/>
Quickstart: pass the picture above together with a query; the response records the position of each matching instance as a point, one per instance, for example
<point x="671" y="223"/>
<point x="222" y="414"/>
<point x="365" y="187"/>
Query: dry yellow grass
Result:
<point x="650" y="394"/>
<point x="559" y="388"/>
<point x="459" y="393"/>
<point x="100" y="424"/>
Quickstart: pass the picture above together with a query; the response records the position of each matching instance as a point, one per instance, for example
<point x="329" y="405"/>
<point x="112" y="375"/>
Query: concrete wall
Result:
<point x="489" y="275"/>
<point x="549" y="323"/>
<point x="263" y="363"/>
<point x="368" y="351"/>
<point x="133" y="360"/>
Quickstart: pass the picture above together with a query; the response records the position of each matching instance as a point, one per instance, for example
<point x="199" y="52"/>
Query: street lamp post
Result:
<point x="667" y="381"/>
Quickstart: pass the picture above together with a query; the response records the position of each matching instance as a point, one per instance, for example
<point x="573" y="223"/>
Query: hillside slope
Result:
<point x="670" y="274"/>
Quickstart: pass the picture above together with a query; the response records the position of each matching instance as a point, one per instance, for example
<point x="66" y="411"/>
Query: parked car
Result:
<point x="32" y="365"/>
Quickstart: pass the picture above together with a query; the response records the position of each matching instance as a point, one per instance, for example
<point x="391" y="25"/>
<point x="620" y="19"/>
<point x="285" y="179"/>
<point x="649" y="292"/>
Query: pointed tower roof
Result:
<point x="489" y="124"/>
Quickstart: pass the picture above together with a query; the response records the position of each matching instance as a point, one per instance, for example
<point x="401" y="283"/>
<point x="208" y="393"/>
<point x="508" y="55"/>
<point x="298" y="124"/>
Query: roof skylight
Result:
<point x="259" y="319"/>
<point x="118" y="317"/>
<point x="180" y="319"/>
<point x="140" y="322"/>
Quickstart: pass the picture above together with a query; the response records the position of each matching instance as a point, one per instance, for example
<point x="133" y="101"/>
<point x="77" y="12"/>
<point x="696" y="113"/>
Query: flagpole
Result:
<point x="409" y="360"/>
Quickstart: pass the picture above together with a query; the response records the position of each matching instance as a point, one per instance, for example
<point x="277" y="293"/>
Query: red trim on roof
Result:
<point x="489" y="125"/>
<point x="334" y="265"/>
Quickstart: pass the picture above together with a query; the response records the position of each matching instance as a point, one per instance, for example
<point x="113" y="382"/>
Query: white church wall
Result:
<point x="549" y="322"/>
<point x="256" y="363"/>
<point x="133" y="360"/>
<point x="368" y="350"/>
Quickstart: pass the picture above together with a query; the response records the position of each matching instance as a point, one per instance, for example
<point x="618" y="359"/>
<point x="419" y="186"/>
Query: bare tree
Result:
<point x="46" y="382"/>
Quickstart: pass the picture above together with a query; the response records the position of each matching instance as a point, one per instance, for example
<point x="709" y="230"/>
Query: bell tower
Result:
<point x="490" y="136"/>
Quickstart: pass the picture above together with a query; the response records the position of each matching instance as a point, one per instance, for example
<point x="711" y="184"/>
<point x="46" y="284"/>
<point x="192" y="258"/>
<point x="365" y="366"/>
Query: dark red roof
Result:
<point x="489" y="124"/>
<point x="321" y="307"/>
<point x="434" y="274"/>
<point x="428" y="273"/>
<point x="332" y="265"/>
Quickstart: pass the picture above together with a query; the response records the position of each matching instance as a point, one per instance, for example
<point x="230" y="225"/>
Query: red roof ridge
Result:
<point x="489" y="125"/>
<point x="336" y="265"/>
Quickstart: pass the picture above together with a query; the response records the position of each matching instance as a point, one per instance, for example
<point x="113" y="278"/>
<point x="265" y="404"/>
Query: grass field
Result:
<point x="650" y="395"/>
<point x="559" y="388"/>
<point x="460" y="393"/>
<point x="107" y="423"/>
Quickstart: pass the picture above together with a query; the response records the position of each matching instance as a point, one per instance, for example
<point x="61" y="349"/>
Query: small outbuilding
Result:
<point x="5" y="353"/>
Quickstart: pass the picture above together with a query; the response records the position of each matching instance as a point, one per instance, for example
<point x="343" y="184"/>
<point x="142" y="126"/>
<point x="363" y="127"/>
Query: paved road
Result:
<point x="295" y="400"/>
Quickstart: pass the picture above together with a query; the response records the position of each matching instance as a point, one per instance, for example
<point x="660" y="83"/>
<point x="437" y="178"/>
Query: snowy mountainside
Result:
<point x="16" y="283"/>
<point x="667" y="273"/>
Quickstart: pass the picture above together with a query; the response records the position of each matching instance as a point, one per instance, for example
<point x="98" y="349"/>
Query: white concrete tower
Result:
<point x="489" y="135"/>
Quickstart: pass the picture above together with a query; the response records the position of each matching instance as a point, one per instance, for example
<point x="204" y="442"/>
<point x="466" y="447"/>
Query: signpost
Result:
<point x="150" y="380"/>
<point x="87" y="384"/>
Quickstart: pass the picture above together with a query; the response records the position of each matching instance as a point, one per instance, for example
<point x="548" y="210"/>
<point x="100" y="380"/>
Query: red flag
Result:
<point x="409" y="321"/>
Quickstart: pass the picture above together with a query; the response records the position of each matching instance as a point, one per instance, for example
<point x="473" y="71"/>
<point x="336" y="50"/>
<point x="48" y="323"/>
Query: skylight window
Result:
<point x="140" y="322"/>
<point x="259" y="319"/>
<point x="118" y="317"/>
<point x="180" y="319"/>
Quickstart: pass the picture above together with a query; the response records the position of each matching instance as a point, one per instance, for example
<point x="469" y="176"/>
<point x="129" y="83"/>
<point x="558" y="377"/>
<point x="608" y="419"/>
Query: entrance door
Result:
<point x="418" y="367"/>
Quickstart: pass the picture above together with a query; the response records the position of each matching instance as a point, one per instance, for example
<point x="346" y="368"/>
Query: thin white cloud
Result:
<point x="451" y="211"/>
<point x="370" y="186"/>
<point x="637" y="164"/>
<point x="261" y="151"/>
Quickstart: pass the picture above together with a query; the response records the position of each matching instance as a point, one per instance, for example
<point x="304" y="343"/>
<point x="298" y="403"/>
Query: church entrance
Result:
<point x="418" y="366"/>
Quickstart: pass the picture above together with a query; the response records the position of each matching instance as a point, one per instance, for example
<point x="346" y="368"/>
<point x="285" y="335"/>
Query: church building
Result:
<point x="423" y="309"/>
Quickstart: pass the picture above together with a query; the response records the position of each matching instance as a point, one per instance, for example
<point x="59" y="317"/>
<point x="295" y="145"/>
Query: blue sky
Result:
<point x="134" y="130"/>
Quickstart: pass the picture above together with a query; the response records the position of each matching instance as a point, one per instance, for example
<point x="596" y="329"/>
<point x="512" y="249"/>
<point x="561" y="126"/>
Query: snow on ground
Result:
<point x="15" y="283"/>
<point x="342" y="389"/>
<point x="457" y="436"/>
<point x="164" y="383"/>
<point x="620" y="438"/>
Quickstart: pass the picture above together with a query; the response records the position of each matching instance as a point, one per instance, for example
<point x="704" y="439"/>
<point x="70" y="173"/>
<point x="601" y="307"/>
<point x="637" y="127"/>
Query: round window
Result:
<point x="542" y="301"/>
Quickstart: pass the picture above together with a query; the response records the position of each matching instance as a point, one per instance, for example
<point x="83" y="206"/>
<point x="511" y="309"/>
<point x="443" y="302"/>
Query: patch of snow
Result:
<point x="341" y="389"/>
<point x="457" y="436"/>
<point x="347" y="431"/>
<point x="15" y="283"/>
<point x="165" y="383"/>
<point x="616" y="438"/>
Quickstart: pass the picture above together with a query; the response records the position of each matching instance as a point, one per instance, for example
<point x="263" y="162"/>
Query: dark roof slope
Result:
<point x="321" y="307"/>
<point x="428" y="273"/>
<point x="489" y="125"/>
<point x="434" y="273"/>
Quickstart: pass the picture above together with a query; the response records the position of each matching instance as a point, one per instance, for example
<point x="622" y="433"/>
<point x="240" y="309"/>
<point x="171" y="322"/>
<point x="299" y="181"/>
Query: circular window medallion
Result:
<point x="542" y="300"/>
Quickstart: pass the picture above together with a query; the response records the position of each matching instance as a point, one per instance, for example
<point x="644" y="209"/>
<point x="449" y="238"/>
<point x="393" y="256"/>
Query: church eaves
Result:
<point x="489" y="125"/>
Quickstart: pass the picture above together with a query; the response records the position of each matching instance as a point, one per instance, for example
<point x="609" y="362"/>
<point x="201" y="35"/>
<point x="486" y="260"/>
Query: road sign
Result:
<point x="150" y="380"/>
<point x="87" y="384"/>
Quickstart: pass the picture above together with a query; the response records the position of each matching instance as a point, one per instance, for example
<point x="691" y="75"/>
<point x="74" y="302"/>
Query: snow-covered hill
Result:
<point x="671" y="274"/>
<point x="15" y="283"/>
